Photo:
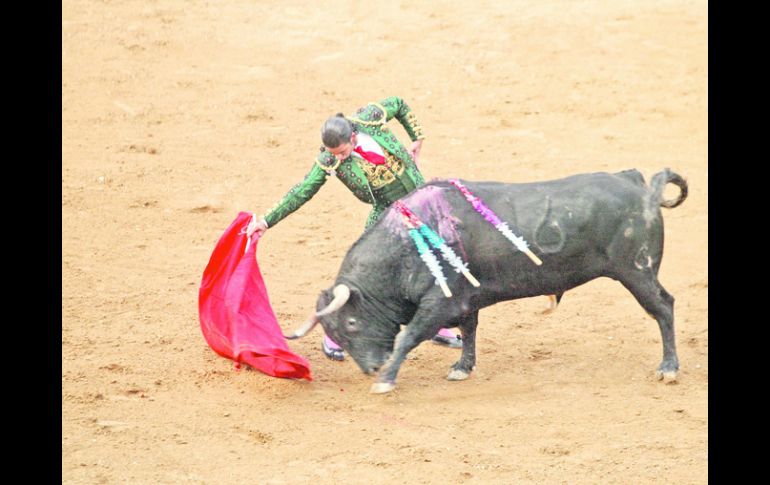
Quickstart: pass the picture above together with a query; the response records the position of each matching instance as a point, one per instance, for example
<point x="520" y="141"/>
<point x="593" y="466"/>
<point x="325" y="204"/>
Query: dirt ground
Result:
<point x="176" y="115"/>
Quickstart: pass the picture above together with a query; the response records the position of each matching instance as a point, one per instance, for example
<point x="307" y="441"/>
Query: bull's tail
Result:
<point x="659" y="182"/>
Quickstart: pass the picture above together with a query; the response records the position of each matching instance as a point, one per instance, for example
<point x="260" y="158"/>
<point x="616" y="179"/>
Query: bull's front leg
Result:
<point x="423" y="326"/>
<point x="461" y="369"/>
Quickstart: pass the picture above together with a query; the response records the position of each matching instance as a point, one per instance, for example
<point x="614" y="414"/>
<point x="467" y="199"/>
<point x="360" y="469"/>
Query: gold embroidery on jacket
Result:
<point x="411" y="118"/>
<point x="379" y="175"/>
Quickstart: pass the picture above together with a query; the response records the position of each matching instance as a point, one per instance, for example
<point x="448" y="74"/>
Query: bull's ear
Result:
<point x="341" y="294"/>
<point x="323" y="299"/>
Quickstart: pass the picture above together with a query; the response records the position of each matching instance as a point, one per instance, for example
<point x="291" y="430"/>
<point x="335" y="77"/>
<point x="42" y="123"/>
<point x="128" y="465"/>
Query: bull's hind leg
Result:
<point x="461" y="369"/>
<point x="660" y="305"/>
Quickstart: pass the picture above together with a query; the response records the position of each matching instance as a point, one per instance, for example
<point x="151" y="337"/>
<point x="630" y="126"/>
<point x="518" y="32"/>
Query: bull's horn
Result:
<point x="341" y="295"/>
<point x="311" y="322"/>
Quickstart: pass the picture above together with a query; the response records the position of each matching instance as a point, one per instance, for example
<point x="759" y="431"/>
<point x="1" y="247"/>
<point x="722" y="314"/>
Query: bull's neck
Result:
<point x="372" y="268"/>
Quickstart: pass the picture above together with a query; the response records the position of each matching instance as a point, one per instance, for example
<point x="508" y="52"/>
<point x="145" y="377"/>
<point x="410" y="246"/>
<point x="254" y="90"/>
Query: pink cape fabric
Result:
<point x="235" y="313"/>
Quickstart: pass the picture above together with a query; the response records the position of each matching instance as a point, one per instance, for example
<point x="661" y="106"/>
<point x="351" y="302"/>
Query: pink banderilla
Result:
<point x="492" y="218"/>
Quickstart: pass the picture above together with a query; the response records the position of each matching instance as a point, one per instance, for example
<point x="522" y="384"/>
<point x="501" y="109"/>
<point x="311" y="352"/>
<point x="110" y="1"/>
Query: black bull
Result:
<point x="582" y="227"/>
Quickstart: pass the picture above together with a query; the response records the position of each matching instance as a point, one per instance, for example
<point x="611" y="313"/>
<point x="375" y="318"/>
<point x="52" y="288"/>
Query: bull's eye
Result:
<point x="352" y="324"/>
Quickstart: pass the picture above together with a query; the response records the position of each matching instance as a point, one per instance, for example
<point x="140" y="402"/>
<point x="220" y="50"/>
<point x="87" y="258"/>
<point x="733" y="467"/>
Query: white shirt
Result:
<point x="368" y="144"/>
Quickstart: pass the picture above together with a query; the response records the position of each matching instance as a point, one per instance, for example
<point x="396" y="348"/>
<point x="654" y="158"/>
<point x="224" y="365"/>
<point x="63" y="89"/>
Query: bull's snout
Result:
<point x="373" y="364"/>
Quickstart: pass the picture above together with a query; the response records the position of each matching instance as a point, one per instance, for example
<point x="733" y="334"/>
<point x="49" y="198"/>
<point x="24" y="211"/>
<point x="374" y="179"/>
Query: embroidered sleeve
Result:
<point x="397" y="107"/>
<point x="299" y="194"/>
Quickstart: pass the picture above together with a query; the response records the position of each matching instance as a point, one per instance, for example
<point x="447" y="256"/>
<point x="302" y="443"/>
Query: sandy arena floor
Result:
<point x="179" y="114"/>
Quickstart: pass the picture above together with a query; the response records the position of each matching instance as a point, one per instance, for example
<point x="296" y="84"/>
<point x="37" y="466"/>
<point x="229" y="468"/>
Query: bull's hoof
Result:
<point x="457" y="375"/>
<point x="668" y="377"/>
<point x="382" y="387"/>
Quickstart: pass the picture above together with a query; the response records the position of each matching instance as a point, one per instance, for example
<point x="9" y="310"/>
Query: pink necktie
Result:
<point x="370" y="157"/>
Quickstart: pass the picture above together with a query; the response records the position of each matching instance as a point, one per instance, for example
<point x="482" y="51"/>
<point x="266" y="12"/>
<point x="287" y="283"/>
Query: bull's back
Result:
<point x="571" y="224"/>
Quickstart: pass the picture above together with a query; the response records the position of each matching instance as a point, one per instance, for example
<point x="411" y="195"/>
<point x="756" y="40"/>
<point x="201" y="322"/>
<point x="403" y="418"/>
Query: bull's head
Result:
<point x="342" y="313"/>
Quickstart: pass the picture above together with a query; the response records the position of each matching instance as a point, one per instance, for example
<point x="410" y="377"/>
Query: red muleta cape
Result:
<point x="235" y="313"/>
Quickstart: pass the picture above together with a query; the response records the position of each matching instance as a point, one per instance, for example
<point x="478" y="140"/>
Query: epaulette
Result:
<point x="327" y="161"/>
<point x="371" y="115"/>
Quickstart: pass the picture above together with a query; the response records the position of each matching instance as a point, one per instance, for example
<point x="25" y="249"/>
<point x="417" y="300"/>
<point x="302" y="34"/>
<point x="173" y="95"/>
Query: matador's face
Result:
<point x="343" y="151"/>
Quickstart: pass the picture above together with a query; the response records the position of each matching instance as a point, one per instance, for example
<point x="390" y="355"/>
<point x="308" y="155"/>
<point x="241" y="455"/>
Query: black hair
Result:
<point x="336" y="131"/>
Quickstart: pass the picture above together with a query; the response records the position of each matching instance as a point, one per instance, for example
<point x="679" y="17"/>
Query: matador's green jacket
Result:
<point x="379" y="185"/>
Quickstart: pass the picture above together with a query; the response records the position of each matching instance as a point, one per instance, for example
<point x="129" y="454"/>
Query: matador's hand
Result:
<point x="255" y="226"/>
<point x="415" y="150"/>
